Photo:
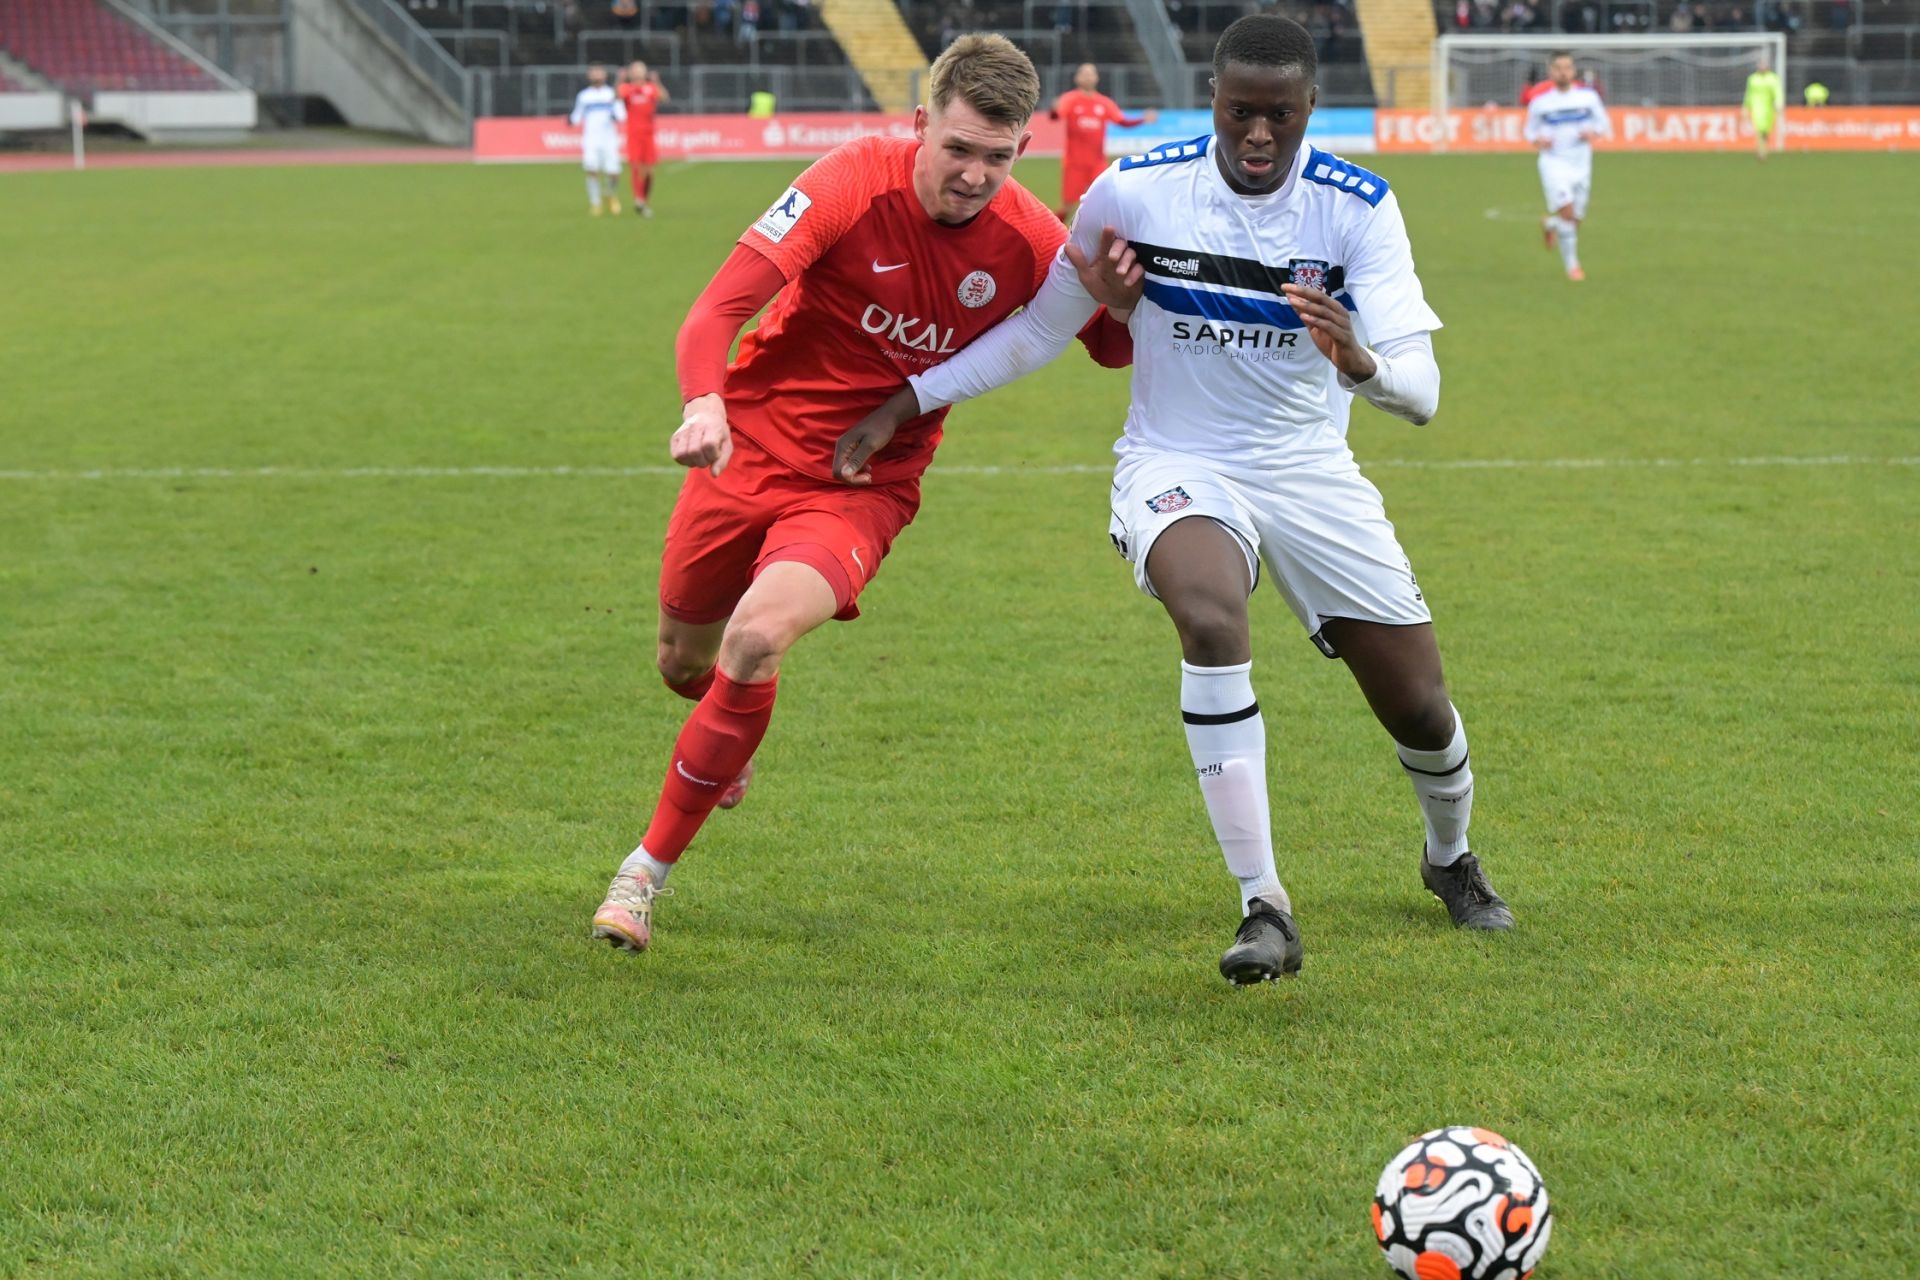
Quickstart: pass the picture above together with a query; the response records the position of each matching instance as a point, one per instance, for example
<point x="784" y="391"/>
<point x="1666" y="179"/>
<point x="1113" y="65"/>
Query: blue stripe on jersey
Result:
<point x="596" y="106"/>
<point x="1572" y="115"/>
<point x="1229" y="306"/>
<point x="1171" y="153"/>
<point x="1330" y="170"/>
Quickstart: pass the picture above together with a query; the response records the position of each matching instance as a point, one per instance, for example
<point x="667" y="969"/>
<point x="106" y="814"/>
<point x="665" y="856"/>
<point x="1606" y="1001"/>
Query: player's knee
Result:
<point x="1213" y="633"/>
<point x="753" y="647"/>
<point x="1422" y="719"/>
<point x="679" y="662"/>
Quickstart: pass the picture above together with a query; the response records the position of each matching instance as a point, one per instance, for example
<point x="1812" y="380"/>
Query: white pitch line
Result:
<point x="1067" y="469"/>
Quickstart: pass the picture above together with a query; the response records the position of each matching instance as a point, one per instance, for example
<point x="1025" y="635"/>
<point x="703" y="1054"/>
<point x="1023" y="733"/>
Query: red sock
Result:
<point x="648" y="193"/>
<point x="696" y="688"/>
<point x="715" y="744"/>
<point x="639" y="192"/>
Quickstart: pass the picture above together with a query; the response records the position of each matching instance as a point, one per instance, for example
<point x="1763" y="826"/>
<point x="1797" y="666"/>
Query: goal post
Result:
<point x="1471" y="71"/>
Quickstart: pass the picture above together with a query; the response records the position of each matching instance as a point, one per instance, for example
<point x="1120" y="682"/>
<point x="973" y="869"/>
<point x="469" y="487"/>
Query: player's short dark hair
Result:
<point x="1558" y="54"/>
<point x="1266" y="40"/>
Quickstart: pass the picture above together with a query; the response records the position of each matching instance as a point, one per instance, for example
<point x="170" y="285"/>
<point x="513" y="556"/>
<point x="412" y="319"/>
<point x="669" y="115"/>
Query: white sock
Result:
<point x="1228" y="740"/>
<point x="640" y="860"/>
<point x="593" y="190"/>
<point x="1569" y="243"/>
<point x="1443" y="781"/>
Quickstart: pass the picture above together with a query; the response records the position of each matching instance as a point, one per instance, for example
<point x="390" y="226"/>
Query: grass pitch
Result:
<point x="310" y="779"/>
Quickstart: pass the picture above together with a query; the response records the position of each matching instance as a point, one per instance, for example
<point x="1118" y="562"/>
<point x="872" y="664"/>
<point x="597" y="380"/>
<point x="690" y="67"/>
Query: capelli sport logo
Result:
<point x="1177" y="266"/>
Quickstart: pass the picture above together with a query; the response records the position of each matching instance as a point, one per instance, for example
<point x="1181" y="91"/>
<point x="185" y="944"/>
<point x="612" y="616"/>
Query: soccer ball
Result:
<point x="1462" y="1204"/>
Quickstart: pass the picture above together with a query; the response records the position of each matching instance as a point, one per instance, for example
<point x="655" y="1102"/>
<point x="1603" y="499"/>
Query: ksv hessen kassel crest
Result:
<point x="977" y="289"/>
<point x="1310" y="273"/>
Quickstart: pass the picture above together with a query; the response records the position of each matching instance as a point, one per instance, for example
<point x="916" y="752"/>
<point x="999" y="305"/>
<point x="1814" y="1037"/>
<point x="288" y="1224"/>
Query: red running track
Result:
<point x="40" y="161"/>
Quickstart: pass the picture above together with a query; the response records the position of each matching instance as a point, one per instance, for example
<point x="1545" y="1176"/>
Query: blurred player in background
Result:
<point x="1279" y="283"/>
<point x="1766" y="98"/>
<point x="1087" y="112"/>
<point x="882" y="258"/>
<point x="1562" y="124"/>
<point x="641" y="93"/>
<point x="598" y="113"/>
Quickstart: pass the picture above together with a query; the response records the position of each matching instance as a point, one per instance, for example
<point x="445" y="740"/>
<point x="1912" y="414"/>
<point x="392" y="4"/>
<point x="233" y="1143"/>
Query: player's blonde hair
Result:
<point x="988" y="73"/>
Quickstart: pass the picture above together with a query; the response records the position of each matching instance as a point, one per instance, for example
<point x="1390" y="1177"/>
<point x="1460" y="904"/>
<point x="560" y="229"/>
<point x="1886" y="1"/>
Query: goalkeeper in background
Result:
<point x="1766" y="97"/>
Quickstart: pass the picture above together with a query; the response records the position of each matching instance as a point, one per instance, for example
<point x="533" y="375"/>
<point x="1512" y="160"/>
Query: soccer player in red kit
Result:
<point x="1087" y="112"/>
<point x="643" y="94"/>
<point x="881" y="260"/>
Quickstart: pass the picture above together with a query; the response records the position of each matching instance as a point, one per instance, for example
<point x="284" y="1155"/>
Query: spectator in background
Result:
<point x="749" y="20"/>
<point x="626" y="14"/>
<point x="1839" y="17"/>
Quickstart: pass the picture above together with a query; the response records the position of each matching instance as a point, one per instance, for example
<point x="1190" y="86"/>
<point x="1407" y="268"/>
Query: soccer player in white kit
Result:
<point x="1278" y="283"/>
<point x="1562" y="124"/>
<point x="598" y="113"/>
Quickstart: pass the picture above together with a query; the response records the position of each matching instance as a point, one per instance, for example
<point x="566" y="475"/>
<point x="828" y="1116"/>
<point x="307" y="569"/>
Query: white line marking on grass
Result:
<point x="1067" y="469"/>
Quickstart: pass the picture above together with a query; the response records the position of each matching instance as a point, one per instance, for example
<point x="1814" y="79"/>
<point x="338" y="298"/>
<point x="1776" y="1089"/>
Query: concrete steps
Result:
<point x="1399" y="35"/>
<point x="879" y="45"/>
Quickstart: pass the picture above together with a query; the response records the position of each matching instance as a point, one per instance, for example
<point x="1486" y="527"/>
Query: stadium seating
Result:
<point x="84" y="47"/>
<point x="531" y="53"/>
<point x="1060" y="36"/>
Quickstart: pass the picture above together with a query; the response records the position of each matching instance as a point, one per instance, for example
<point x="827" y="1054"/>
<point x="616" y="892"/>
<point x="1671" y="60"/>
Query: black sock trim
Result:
<point x="1229" y="717"/>
<point x="1445" y="773"/>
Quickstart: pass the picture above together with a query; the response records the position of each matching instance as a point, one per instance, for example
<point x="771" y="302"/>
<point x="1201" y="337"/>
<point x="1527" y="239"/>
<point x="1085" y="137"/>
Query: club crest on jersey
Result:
<point x="777" y="221"/>
<point x="977" y="289"/>
<point x="1174" y="499"/>
<point x="1310" y="273"/>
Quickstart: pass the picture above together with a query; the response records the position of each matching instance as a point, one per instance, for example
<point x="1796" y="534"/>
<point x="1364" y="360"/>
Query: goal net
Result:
<point x="1472" y="71"/>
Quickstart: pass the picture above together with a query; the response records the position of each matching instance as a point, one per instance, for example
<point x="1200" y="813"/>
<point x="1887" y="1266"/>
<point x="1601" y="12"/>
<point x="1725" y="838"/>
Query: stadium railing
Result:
<point x="427" y="55"/>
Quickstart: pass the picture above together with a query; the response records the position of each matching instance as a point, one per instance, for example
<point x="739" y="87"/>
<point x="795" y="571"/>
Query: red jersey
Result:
<point x="642" y="101"/>
<point x="876" y="290"/>
<point x="1087" y="116"/>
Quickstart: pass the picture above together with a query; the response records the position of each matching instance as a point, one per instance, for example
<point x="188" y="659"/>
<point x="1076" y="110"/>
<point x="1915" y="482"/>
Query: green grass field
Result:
<point x="310" y="780"/>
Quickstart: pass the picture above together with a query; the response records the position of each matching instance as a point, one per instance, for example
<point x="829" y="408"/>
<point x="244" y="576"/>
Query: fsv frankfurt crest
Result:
<point x="1310" y="273"/>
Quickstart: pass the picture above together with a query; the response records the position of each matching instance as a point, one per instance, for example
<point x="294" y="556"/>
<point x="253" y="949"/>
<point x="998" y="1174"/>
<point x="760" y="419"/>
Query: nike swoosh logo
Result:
<point x="681" y="769"/>
<point x="855" y="553"/>
<point x="880" y="270"/>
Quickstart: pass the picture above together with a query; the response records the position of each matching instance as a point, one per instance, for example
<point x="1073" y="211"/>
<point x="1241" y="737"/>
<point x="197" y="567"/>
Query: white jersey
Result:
<point x="1567" y="119"/>
<point x="1223" y="367"/>
<point x="598" y="113"/>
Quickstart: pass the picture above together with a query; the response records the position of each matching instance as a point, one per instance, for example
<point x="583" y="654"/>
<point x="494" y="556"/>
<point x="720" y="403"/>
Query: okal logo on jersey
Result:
<point x="909" y="331"/>
<point x="1310" y="273"/>
<point x="1174" y="499"/>
<point x="777" y="221"/>
<point x="977" y="290"/>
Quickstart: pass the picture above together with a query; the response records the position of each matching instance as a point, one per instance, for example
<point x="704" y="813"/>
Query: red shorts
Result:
<point x="1075" y="178"/>
<point x="759" y="510"/>
<point x="641" y="149"/>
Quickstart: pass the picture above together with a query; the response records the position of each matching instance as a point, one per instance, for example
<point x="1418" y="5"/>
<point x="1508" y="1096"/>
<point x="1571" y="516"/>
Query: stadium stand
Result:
<point x="527" y="56"/>
<point x="9" y="85"/>
<point x="84" y="47"/>
<point x="1060" y="36"/>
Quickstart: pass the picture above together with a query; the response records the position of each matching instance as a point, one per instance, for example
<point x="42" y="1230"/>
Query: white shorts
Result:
<point x="1565" y="184"/>
<point x="1321" y="529"/>
<point x="601" y="158"/>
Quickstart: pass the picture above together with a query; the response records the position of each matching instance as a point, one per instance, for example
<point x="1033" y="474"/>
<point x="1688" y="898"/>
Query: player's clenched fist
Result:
<point x="703" y="439"/>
